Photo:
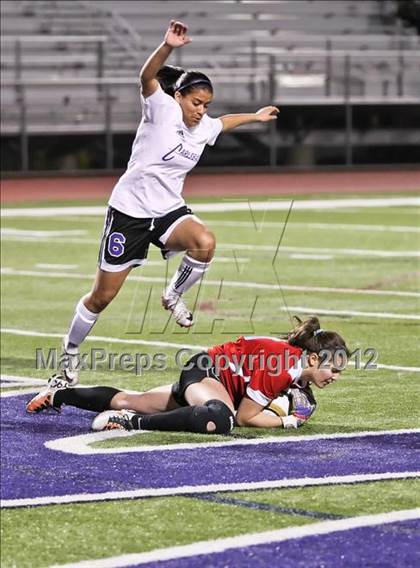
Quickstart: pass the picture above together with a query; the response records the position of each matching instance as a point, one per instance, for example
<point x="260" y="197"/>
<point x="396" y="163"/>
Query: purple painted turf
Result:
<point x="31" y="470"/>
<point x="393" y="545"/>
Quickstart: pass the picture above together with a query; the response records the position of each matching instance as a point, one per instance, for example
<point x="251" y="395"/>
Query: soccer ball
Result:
<point x="280" y="406"/>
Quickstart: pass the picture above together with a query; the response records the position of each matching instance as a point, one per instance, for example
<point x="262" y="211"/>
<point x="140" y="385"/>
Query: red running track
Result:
<point x="216" y="185"/>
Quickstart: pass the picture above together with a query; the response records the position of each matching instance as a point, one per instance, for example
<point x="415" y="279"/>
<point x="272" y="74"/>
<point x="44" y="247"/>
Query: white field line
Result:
<point x="314" y="252"/>
<point x="284" y="250"/>
<point x="260" y="225"/>
<point x="81" y="444"/>
<point x="249" y="540"/>
<point x="57" y="266"/>
<point x="169" y="345"/>
<point x="37" y="383"/>
<point x="228" y="260"/>
<point x="14" y="381"/>
<point x="399" y="368"/>
<point x="311" y="256"/>
<point x="98" y="338"/>
<point x="48" y="240"/>
<point x="354" y="313"/>
<point x="252" y="285"/>
<point x="231" y="205"/>
<point x="12" y="232"/>
<point x="212" y="488"/>
<point x="7" y="271"/>
<point x="317" y="250"/>
<point x="376" y="253"/>
<point x="17" y="392"/>
<point x="18" y="212"/>
<point x="55" y="241"/>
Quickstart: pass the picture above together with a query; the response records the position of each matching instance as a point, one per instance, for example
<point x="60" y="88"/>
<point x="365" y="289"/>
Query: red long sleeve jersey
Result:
<point x="259" y="367"/>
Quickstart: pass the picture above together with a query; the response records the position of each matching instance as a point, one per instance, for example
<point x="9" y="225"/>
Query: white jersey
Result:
<point x="163" y="152"/>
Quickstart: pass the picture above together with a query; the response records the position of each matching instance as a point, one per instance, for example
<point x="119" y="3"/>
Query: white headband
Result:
<point x="318" y="331"/>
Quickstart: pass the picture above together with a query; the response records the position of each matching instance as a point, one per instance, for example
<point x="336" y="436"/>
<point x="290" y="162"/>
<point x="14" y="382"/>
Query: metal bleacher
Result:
<point x="73" y="65"/>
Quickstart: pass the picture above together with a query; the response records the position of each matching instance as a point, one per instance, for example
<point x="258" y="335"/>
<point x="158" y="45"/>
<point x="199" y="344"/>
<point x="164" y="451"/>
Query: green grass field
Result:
<point x="354" y="263"/>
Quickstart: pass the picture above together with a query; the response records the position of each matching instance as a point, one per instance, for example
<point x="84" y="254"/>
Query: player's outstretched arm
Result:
<point x="265" y="114"/>
<point x="176" y="36"/>
<point x="250" y="413"/>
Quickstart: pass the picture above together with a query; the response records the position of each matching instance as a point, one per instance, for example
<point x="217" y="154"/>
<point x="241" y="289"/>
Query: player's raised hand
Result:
<point x="176" y="35"/>
<point x="267" y="113"/>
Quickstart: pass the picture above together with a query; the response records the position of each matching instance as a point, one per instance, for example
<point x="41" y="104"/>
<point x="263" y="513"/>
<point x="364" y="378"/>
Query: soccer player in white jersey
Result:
<point x="243" y="376"/>
<point x="146" y="205"/>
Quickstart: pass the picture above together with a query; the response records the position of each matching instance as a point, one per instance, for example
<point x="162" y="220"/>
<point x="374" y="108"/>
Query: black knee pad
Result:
<point x="214" y="411"/>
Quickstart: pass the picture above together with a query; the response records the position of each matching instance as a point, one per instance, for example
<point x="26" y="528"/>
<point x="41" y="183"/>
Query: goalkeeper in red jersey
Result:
<point x="230" y="384"/>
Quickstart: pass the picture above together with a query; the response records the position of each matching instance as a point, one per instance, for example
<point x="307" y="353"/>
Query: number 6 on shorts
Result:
<point x="116" y="244"/>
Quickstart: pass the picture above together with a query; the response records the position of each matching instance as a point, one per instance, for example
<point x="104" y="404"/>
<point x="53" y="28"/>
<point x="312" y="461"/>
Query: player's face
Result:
<point x="194" y="105"/>
<point x="323" y="373"/>
<point x="324" y="377"/>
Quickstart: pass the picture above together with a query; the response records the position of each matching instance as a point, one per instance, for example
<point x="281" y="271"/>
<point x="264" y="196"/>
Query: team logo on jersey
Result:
<point x="180" y="133"/>
<point x="179" y="149"/>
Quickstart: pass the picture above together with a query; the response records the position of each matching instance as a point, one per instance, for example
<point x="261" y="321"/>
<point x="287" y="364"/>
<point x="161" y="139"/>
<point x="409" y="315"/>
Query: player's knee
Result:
<point x="207" y="241"/>
<point x="213" y="417"/>
<point x="119" y="401"/>
<point x="203" y="247"/>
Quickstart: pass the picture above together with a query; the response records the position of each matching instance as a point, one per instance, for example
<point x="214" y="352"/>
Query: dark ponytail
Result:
<point x="309" y="336"/>
<point x="168" y="76"/>
<point x="173" y="79"/>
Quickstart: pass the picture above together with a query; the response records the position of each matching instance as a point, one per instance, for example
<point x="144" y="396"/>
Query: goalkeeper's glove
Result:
<point x="303" y="406"/>
<point x="290" y="422"/>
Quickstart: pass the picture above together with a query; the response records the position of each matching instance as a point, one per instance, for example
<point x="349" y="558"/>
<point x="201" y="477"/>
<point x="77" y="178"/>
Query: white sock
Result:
<point x="188" y="273"/>
<point x="82" y="323"/>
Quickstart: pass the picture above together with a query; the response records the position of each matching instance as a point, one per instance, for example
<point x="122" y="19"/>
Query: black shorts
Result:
<point x="125" y="240"/>
<point x="201" y="367"/>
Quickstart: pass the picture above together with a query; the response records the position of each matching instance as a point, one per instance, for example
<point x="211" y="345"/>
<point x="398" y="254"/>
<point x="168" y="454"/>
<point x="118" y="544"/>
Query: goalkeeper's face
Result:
<point x="323" y="371"/>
